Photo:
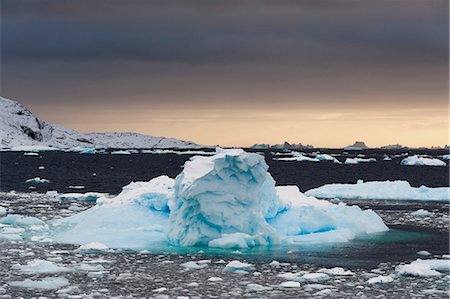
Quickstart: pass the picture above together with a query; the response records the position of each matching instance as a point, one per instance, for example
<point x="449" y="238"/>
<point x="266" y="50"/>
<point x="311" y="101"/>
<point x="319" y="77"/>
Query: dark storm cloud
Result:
<point x="219" y="32"/>
<point x="209" y="50"/>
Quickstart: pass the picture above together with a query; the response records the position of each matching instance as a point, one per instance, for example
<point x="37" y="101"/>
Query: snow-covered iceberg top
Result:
<point x="417" y="160"/>
<point x="228" y="200"/>
<point x="385" y="190"/>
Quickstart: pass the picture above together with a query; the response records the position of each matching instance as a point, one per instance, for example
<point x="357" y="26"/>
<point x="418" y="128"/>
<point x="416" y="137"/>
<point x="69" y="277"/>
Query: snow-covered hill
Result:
<point x="19" y="127"/>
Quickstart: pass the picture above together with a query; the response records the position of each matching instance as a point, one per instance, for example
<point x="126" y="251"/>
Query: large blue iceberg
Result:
<point x="228" y="200"/>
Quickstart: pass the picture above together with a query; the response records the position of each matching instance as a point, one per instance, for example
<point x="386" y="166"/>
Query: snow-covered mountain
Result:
<point x="19" y="127"/>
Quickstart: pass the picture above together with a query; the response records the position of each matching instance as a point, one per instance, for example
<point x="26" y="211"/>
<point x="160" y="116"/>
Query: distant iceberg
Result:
<point x="382" y="190"/>
<point x="228" y="200"/>
<point x="422" y="161"/>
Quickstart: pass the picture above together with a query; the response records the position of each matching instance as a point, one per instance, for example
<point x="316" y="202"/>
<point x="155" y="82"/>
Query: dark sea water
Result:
<point x="108" y="173"/>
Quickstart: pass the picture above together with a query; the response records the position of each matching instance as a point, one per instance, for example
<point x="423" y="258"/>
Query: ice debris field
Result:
<point x="228" y="200"/>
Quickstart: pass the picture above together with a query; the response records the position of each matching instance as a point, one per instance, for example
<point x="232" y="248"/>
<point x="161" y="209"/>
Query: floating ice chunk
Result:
<point x="193" y="265"/>
<point x="446" y="157"/>
<point x="92" y="247"/>
<point x="47" y="283"/>
<point x="41" y="167"/>
<point x="274" y="263"/>
<point x="3" y="211"/>
<point x="76" y="187"/>
<point x="40" y="266"/>
<point x="120" y="153"/>
<point x="214" y="279"/>
<point x="424" y="253"/>
<point x="254" y="287"/>
<point x="31" y="154"/>
<point x="436" y="264"/>
<point x="383" y="190"/>
<point x="326" y="157"/>
<point x="220" y="195"/>
<point x="37" y="180"/>
<point x="417" y="160"/>
<point x="337" y="271"/>
<point x="359" y="160"/>
<point x="421" y="213"/>
<point x="88" y="196"/>
<point x="416" y="268"/>
<point x="22" y="221"/>
<point x="380" y="280"/>
<point x="237" y="265"/>
<point x="315" y="277"/>
<point x="298" y="157"/>
<point x="290" y="284"/>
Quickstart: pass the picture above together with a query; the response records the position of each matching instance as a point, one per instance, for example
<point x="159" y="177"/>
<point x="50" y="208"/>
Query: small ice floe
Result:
<point x="31" y="154"/>
<point x="423" y="253"/>
<point x="40" y="266"/>
<point x="41" y="167"/>
<point x="3" y="211"/>
<point x="21" y="221"/>
<point x="290" y="284"/>
<point x="326" y="157"/>
<point x="159" y="290"/>
<point x="315" y="277"/>
<point x="214" y="279"/>
<point x="359" y="160"/>
<point x="421" y="213"/>
<point x="417" y="160"/>
<point x="88" y="196"/>
<point x="299" y="157"/>
<point x="274" y="263"/>
<point x="193" y="265"/>
<point x="92" y="247"/>
<point x="76" y="187"/>
<point x="238" y="266"/>
<point x="120" y="153"/>
<point x="47" y="283"/>
<point x="421" y="268"/>
<point x="380" y="280"/>
<point x="254" y="287"/>
<point x="387" y="158"/>
<point x="381" y="190"/>
<point x="336" y="271"/>
<point x="37" y="180"/>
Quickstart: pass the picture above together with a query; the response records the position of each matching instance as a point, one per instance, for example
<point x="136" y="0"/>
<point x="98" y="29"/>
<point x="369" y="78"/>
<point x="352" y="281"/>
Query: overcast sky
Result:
<point x="234" y="72"/>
